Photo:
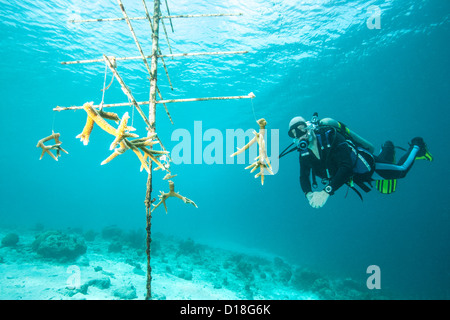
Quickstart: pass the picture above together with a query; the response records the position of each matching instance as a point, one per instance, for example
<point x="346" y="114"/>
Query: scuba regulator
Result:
<point x="302" y="145"/>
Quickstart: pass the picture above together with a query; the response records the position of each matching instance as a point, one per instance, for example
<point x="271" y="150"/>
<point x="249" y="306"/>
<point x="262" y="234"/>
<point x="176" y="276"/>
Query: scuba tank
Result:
<point x="348" y="134"/>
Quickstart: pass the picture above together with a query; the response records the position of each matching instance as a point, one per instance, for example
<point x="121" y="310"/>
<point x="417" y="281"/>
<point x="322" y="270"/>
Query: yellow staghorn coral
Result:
<point x="56" y="146"/>
<point x="117" y="152"/>
<point x="120" y="131"/>
<point x="137" y="146"/>
<point x="94" y="115"/>
<point x="141" y="158"/>
<point x="84" y="135"/>
<point x="164" y="196"/>
<point x="124" y="146"/>
<point x="261" y="161"/>
<point x="109" y="115"/>
<point x="154" y="155"/>
<point x="146" y="141"/>
<point x="141" y="143"/>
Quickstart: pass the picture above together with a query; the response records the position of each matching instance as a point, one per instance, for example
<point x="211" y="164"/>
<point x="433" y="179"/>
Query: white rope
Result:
<point x="253" y="109"/>
<point x="53" y="122"/>
<point x="104" y="85"/>
<point x="132" y="112"/>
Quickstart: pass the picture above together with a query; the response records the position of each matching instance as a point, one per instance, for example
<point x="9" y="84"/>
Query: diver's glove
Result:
<point x="318" y="199"/>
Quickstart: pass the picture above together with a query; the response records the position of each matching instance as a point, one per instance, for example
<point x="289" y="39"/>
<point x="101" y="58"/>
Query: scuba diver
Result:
<point x="331" y="151"/>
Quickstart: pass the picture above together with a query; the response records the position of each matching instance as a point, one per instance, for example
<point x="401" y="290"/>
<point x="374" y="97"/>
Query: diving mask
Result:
<point x="303" y="135"/>
<point x="302" y="129"/>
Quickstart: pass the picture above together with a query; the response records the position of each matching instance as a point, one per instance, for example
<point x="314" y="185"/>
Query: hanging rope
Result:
<point x="103" y="90"/>
<point x="53" y="122"/>
<point x="109" y="85"/>
<point x="105" y="87"/>
<point x="253" y="109"/>
<point x="132" y="112"/>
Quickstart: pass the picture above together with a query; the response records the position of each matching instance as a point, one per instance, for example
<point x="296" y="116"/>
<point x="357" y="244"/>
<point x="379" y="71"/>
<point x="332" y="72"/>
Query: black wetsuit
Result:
<point x="336" y="159"/>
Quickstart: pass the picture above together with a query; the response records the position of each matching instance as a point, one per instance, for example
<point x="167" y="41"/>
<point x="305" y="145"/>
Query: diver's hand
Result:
<point x="309" y="196"/>
<point x="318" y="199"/>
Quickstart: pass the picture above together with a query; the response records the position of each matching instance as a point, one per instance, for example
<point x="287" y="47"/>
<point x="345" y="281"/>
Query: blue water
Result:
<point x="304" y="56"/>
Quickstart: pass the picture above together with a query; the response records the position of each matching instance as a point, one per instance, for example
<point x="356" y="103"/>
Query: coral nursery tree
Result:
<point x="142" y="147"/>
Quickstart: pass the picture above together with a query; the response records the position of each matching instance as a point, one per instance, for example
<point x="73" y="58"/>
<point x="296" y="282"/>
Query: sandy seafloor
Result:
<point x="181" y="269"/>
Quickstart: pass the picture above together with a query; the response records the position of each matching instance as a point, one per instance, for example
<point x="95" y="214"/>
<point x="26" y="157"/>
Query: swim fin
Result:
<point x="386" y="186"/>
<point x="426" y="156"/>
<point x="423" y="153"/>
